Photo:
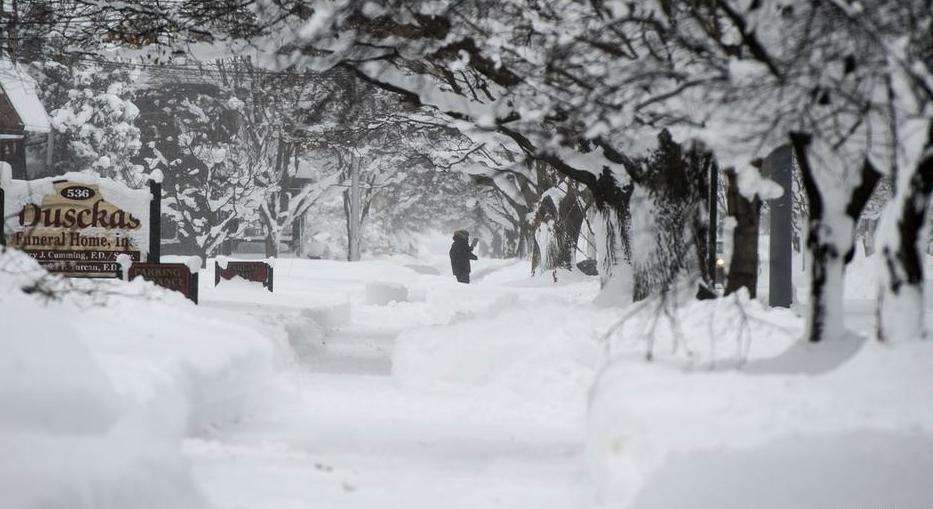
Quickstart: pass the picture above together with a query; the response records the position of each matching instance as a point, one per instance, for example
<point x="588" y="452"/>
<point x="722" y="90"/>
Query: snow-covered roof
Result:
<point x="20" y="89"/>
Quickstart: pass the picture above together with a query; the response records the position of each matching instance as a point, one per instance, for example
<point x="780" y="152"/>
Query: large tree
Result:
<point x="586" y="87"/>
<point x="189" y="131"/>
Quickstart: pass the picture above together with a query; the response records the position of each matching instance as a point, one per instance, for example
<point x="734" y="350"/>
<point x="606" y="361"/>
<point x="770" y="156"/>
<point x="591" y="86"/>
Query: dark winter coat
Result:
<point x="460" y="255"/>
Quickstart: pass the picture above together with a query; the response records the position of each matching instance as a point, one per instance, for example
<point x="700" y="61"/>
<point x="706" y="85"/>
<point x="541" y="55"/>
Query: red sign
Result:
<point x="174" y="276"/>
<point x="260" y="272"/>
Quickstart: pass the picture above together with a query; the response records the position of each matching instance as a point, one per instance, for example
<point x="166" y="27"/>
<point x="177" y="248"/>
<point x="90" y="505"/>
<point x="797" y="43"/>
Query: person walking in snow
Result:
<point x="461" y="252"/>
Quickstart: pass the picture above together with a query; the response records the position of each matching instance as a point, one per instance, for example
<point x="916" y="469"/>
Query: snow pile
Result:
<point x="512" y="354"/>
<point x="99" y="385"/>
<point x="381" y="293"/>
<point x="329" y="316"/>
<point x="49" y="379"/>
<point x="702" y="334"/>
<point x="304" y="330"/>
<point x="844" y="423"/>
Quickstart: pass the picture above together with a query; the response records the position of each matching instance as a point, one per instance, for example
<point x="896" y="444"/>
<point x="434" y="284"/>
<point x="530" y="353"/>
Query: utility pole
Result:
<point x="2" y="25"/>
<point x="712" y="250"/>
<point x="13" y="32"/>
<point x="354" y="252"/>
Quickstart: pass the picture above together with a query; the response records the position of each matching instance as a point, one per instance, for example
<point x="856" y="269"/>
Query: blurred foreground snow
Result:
<point x="385" y="383"/>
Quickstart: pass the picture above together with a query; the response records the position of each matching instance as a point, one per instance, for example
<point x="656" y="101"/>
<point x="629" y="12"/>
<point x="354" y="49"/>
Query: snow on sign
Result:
<point x="174" y="276"/>
<point x="259" y="271"/>
<point x="76" y="224"/>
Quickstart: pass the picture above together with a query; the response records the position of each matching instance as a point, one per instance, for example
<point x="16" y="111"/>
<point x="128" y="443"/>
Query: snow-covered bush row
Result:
<point x="99" y="382"/>
<point x="845" y="423"/>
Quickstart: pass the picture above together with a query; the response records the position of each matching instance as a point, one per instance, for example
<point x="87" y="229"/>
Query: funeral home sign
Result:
<point x="78" y="224"/>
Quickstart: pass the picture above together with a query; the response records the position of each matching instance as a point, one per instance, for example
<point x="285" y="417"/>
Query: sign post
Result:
<point x="2" y="218"/>
<point x="155" y="219"/>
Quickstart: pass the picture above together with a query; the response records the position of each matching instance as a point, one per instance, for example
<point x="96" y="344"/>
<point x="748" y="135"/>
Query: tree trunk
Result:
<point x="831" y="242"/>
<point x="701" y="185"/>
<point x="356" y="218"/>
<point x="569" y="226"/>
<point x="557" y="230"/>
<point x="612" y="232"/>
<point x="712" y="227"/>
<point x="271" y="243"/>
<point x="272" y="250"/>
<point x="743" y="268"/>
<point x="900" y="306"/>
<point x="352" y="210"/>
<point x="277" y="202"/>
<point x="616" y="275"/>
<point x="545" y="249"/>
<point x="347" y="215"/>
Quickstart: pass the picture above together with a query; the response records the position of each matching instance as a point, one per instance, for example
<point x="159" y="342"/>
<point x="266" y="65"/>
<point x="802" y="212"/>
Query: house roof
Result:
<point x="20" y="90"/>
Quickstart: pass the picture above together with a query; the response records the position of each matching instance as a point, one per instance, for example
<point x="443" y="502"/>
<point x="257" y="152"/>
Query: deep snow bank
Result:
<point x="99" y="384"/>
<point x="846" y="424"/>
<point x="512" y="353"/>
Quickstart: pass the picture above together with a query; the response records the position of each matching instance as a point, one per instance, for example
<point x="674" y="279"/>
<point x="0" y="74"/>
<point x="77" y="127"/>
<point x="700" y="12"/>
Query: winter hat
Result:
<point x="463" y="234"/>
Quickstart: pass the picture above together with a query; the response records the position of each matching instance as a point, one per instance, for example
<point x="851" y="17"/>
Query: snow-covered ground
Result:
<point x="384" y="383"/>
<point x="459" y="396"/>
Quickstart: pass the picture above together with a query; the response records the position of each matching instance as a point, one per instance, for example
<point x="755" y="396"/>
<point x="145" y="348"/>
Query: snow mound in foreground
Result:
<point x="830" y="424"/>
<point x="99" y="383"/>
<point x="49" y="379"/>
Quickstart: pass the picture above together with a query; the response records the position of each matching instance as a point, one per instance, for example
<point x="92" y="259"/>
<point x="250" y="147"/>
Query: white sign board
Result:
<point x="76" y="224"/>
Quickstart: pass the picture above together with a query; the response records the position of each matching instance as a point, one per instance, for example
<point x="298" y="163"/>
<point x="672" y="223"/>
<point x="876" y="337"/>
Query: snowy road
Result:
<point x="342" y="432"/>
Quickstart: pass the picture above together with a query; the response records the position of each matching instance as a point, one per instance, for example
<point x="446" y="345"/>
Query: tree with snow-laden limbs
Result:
<point x="94" y="117"/>
<point x="188" y="132"/>
<point x="585" y="87"/>
<point x="900" y="311"/>
<point x="270" y="136"/>
<point x="744" y="211"/>
<point x="831" y="234"/>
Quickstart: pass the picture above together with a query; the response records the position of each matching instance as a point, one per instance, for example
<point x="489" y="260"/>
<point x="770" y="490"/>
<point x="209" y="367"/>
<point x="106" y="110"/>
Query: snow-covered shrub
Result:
<point x="94" y="118"/>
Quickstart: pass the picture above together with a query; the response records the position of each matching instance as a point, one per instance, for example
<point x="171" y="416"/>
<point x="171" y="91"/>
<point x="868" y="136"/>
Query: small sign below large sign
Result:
<point x="173" y="276"/>
<point x="77" y="225"/>
<point x="261" y="272"/>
